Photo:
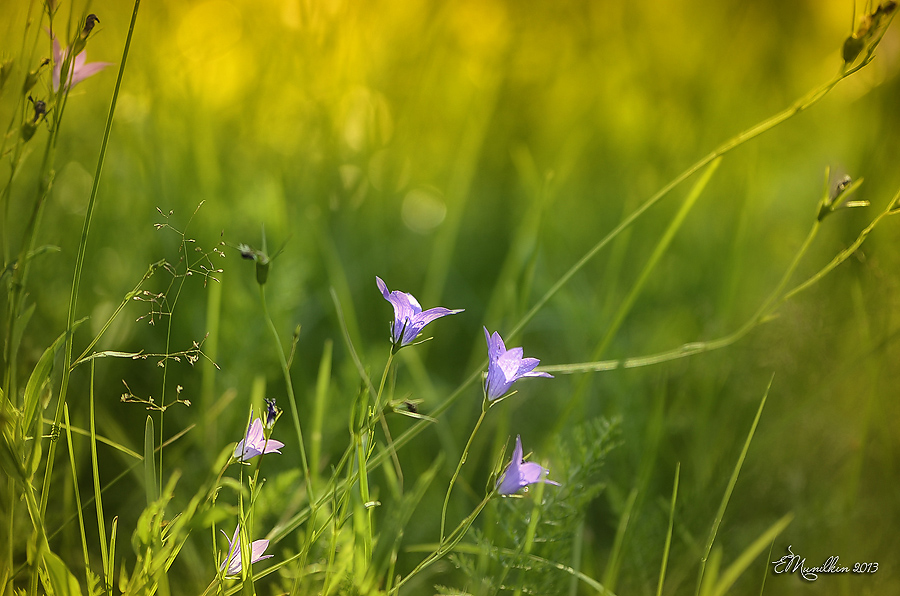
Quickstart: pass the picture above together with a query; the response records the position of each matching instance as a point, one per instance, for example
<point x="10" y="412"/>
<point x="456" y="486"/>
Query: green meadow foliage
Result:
<point x="644" y="340"/>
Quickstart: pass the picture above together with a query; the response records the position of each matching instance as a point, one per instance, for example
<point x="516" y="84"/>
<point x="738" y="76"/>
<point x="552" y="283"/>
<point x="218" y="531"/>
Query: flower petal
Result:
<point x="518" y="453"/>
<point x="257" y="548"/>
<point x="273" y="446"/>
<point x="87" y="70"/>
<point x="519" y="473"/>
<point x="408" y="316"/>
<point x="530" y="472"/>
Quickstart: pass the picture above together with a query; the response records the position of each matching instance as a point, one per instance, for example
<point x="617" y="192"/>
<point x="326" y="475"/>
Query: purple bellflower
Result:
<point x="409" y="319"/>
<point x="505" y="367"/>
<point x="519" y="473"/>
<point x="79" y="68"/>
<point x="232" y="563"/>
<point x="255" y="443"/>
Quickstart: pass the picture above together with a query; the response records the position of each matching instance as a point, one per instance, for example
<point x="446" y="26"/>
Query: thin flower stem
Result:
<point x="766" y="310"/>
<point x="445" y="546"/>
<point x="363" y="451"/>
<point x="459" y="466"/>
<point x="384" y="376"/>
<point x="79" y="263"/>
<point x="362" y="459"/>
<point x="800" y="105"/>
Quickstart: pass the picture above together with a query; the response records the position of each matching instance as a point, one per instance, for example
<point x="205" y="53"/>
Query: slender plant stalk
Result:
<point x="730" y="488"/>
<point x="289" y="385"/>
<point x="802" y="104"/>
<point x="79" y="259"/>
<point x="766" y="310"/>
<point x="98" y="493"/>
<point x="459" y="466"/>
<point x="665" y="557"/>
<point x="84" y="544"/>
<point x="625" y="307"/>
<point x="447" y="545"/>
<point x="322" y="382"/>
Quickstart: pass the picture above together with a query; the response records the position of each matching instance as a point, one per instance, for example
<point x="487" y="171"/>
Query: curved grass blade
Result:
<point x="149" y="463"/>
<point x="730" y="488"/>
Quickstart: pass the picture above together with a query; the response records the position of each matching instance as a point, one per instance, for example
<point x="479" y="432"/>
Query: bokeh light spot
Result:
<point x="423" y="209"/>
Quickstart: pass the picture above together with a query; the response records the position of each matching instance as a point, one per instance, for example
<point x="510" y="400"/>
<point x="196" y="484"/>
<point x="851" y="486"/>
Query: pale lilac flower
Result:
<point x="505" y="367"/>
<point x="520" y="473"/>
<point x="232" y="563"/>
<point x="408" y="316"/>
<point x="79" y="68"/>
<point x="255" y="443"/>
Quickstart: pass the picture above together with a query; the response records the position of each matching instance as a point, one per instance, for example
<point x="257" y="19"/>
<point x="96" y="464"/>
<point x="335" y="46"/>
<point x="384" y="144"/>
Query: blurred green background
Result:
<point x="470" y="153"/>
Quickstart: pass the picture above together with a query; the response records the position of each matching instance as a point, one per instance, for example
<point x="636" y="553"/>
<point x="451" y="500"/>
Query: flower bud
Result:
<point x="89" y="23"/>
<point x="852" y="47"/>
<point x="28" y="130"/>
<point x="81" y="42"/>
<point x="32" y="78"/>
<point x="262" y="268"/>
<point x="5" y="71"/>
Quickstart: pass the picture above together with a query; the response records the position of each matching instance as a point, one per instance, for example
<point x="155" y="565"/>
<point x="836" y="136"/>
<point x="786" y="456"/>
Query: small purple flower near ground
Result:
<point x="505" y="367"/>
<point x="409" y="319"/>
<point x="232" y="563"/>
<point x="254" y="443"/>
<point x="79" y="68"/>
<point x="519" y="473"/>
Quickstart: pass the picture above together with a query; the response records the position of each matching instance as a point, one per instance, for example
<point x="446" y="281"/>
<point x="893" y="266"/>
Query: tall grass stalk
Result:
<point x="79" y="262"/>
<point x="801" y="105"/>
<point x="625" y="306"/>
<point x="730" y="488"/>
<point x="74" y="469"/>
<point x="289" y="387"/>
<point x="98" y="493"/>
<point x="665" y="555"/>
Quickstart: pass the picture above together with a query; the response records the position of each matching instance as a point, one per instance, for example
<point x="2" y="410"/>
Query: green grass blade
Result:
<point x="750" y="553"/>
<point x="79" y="259"/>
<point x="397" y="519"/>
<point x="322" y="385"/>
<point x="665" y="557"/>
<point x="611" y="573"/>
<point x="111" y="562"/>
<point x="84" y="543"/>
<point x="730" y="488"/>
<point x="661" y="247"/>
<point x="62" y="582"/>
<point x="40" y="375"/>
<point x="149" y="464"/>
<point x="625" y="307"/>
<point x="98" y="493"/>
<point x="209" y="425"/>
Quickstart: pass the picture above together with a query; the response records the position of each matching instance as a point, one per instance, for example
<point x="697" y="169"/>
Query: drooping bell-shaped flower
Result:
<point x="409" y="319"/>
<point x="505" y="367"/>
<point x="519" y="473"/>
<point x="232" y="563"/>
<point x="255" y="443"/>
<point x="79" y="67"/>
